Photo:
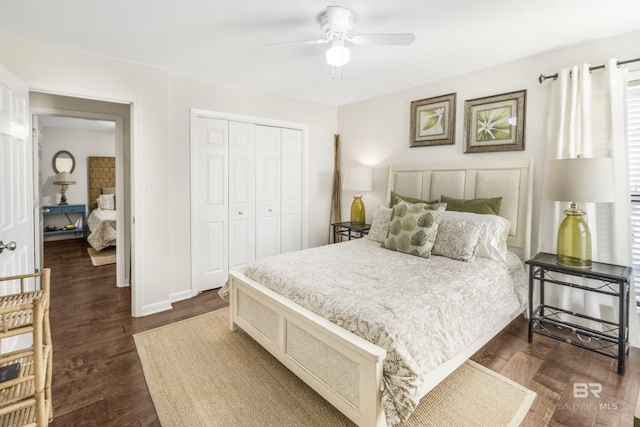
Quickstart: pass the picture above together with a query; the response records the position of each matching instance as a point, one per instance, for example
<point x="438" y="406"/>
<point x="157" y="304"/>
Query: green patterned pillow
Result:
<point x="414" y="227"/>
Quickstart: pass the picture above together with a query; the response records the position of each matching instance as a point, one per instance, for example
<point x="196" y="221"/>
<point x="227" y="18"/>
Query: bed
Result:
<point x="370" y="366"/>
<point x="102" y="219"/>
<point x="102" y="225"/>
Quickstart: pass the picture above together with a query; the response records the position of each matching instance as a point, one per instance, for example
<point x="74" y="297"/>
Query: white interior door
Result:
<point x="291" y="190"/>
<point x="268" y="191"/>
<point x="16" y="183"/>
<point x="242" y="194"/>
<point x="209" y="204"/>
<point x="16" y="193"/>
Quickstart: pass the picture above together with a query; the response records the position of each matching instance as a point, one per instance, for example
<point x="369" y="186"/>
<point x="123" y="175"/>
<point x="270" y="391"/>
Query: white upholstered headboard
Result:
<point x="512" y="180"/>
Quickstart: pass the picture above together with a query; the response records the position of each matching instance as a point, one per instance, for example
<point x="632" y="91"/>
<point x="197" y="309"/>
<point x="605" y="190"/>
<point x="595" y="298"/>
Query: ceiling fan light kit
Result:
<point x="337" y="23"/>
<point x="338" y="55"/>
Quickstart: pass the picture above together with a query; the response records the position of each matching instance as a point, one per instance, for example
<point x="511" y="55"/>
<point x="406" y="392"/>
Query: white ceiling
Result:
<point x="221" y="41"/>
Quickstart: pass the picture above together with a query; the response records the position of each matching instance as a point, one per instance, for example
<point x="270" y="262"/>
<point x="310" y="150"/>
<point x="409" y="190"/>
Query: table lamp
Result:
<point x="578" y="180"/>
<point x="357" y="179"/>
<point x="64" y="178"/>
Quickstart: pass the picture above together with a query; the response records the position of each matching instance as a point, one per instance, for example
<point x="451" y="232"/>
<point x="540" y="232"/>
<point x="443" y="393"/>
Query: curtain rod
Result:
<point x="542" y="77"/>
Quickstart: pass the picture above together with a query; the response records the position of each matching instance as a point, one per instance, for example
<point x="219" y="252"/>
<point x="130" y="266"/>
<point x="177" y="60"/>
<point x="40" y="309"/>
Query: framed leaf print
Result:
<point x="433" y="121"/>
<point x="495" y="123"/>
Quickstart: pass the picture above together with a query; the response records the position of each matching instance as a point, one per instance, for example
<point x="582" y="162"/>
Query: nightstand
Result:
<point x="608" y="338"/>
<point x="350" y="230"/>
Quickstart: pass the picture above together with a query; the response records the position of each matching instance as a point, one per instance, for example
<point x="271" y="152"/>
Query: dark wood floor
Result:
<point x="98" y="380"/>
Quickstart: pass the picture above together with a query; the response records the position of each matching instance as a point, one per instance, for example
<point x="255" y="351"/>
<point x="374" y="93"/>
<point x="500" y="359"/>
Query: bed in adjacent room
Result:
<point x="374" y="324"/>
<point x="102" y="219"/>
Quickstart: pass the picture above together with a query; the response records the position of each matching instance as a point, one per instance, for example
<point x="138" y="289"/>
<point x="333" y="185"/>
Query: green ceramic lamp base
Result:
<point x="574" y="240"/>
<point x="357" y="210"/>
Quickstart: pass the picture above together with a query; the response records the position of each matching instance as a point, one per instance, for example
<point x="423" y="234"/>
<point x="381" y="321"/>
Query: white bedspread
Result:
<point x="422" y="311"/>
<point x="102" y="224"/>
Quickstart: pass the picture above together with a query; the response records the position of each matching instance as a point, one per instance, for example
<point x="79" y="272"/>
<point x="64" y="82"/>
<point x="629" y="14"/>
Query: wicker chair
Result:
<point x="25" y="374"/>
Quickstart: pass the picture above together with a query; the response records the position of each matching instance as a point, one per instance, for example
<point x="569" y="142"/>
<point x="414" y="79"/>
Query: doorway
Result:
<point x="102" y="118"/>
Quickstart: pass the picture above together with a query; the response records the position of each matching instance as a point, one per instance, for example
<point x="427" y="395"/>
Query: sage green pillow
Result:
<point x="396" y="197"/>
<point x="414" y="227"/>
<point x="477" y="206"/>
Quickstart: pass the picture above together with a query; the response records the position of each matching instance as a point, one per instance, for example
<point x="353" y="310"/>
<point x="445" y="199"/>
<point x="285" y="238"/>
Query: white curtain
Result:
<point x="587" y="117"/>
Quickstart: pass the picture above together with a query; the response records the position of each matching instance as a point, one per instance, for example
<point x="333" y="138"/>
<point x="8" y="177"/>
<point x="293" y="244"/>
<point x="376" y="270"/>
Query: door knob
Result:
<point x="240" y="213"/>
<point x="10" y="246"/>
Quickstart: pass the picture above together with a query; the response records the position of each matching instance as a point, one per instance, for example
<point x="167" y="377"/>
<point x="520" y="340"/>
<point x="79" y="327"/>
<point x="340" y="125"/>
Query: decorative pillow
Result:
<point x="414" y="227"/>
<point x="458" y="238"/>
<point x="478" y="206"/>
<point x="380" y="224"/>
<point x="493" y="243"/>
<point x="107" y="202"/>
<point x="396" y="198"/>
<point x="108" y="190"/>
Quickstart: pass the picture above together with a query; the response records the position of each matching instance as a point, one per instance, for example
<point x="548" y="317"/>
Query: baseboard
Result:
<point x="179" y="296"/>
<point x="156" y="308"/>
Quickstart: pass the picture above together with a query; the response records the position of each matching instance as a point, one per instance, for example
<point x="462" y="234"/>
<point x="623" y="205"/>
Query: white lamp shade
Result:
<point x="338" y="55"/>
<point x="64" y="178"/>
<point x="357" y="178"/>
<point x="581" y="180"/>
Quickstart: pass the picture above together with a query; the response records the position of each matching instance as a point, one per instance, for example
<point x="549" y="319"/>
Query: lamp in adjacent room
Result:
<point x="578" y="180"/>
<point x="64" y="178"/>
<point x="357" y="178"/>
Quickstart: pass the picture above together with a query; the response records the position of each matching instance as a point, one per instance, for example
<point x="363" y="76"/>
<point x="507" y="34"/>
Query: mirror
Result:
<point x="63" y="161"/>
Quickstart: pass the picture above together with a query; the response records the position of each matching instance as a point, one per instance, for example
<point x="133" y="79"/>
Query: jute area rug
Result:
<point x="199" y="373"/>
<point x="104" y="257"/>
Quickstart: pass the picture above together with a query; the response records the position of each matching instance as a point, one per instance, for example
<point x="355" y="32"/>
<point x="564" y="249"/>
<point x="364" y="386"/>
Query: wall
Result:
<point x="373" y="132"/>
<point x="81" y="143"/>
<point x="46" y="68"/>
<point x="160" y="144"/>
<point x="322" y="124"/>
<point x="376" y="131"/>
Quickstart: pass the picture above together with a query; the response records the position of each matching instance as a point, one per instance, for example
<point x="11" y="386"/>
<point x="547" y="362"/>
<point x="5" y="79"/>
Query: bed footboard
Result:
<point x="340" y="366"/>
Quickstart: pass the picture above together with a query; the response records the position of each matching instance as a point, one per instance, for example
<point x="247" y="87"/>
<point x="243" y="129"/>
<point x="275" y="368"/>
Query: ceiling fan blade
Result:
<point x="302" y="42"/>
<point x="398" y="39"/>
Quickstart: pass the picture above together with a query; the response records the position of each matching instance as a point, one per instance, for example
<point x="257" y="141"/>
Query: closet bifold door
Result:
<point x="210" y="208"/>
<point x="242" y="195"/>
<point x="268" y="191"/>
<point x="291" y="190"/>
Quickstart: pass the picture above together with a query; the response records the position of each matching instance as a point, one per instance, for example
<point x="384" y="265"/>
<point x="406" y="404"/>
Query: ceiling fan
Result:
<point x="337" y="23"/>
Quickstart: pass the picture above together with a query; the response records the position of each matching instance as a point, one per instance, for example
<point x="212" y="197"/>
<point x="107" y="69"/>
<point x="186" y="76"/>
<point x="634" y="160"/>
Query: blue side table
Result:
<point x="67" y="209"/>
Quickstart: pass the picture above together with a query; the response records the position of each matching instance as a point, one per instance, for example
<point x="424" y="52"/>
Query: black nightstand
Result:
<point x="560" y="324"/>
<point x="350" y="230"/>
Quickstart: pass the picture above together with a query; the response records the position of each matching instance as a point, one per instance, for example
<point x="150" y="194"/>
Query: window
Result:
<point x="633" y="130"/>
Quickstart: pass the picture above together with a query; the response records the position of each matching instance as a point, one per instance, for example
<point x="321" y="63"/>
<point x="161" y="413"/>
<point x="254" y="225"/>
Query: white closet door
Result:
<point x="291" y="190"/>
<point x="268" y="189"/>
<point x="210" y="212"/>
<point x="242" y="193"/>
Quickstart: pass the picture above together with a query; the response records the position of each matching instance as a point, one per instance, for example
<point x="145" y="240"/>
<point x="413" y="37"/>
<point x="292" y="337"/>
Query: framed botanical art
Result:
<point x="495" y="123"/>
<point x="433" y="121"/>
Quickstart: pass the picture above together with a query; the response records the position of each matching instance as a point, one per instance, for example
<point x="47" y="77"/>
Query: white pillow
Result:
<point x="380" y="224"/>
<point x="459" y="238"/>
<point x="106" y="202"/>
<point x="493" y="243"/>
